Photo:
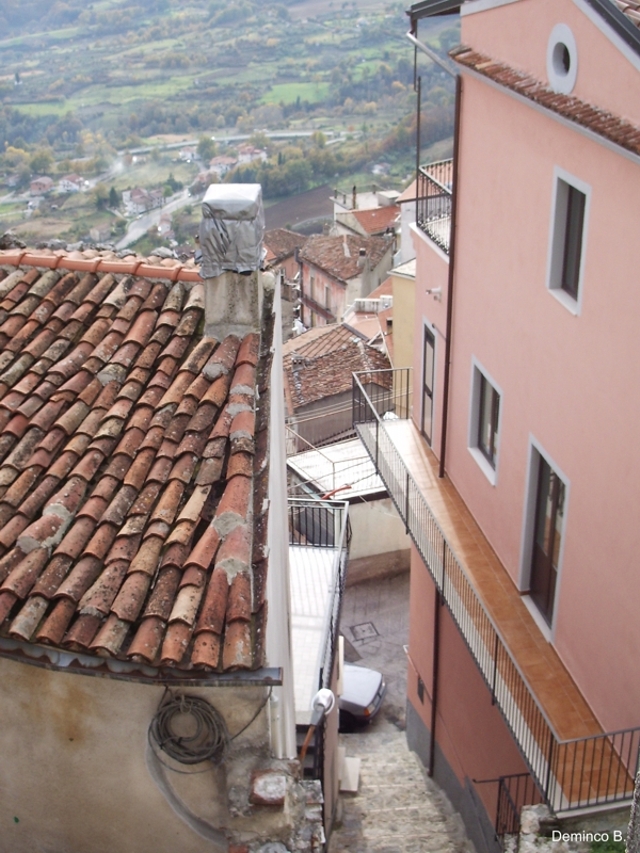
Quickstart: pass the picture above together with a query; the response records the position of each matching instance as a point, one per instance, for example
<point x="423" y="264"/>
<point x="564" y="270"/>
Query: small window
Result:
<point x="567" y="241"/>
<point x="488" y="413"/>
<point x="484" y="425"/>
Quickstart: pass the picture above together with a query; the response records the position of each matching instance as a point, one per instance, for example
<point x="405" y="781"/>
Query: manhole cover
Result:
<point x="364" y="631"/>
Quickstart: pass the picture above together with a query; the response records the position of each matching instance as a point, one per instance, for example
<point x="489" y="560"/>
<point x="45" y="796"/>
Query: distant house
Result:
<point x="337" y="270"/>
<point x="222" y="164"/>
<point x="164" y="226"/>
<point x="139" y="200"/>
<point x="359" y="199"/>
<point x="71" y="184"/>
<point x="317" y="370"/>
<point x="280" y="245"/>
<point x="369" y="223"/>
<point x="41" y="185"/>
<point x="202" y="181"/>
<point x="372" y="317"/>
<point x="248" y="153"/>
<point x="188" y="154"/>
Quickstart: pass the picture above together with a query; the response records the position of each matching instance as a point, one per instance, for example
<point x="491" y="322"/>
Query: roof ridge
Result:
<point x="77" y="262"/>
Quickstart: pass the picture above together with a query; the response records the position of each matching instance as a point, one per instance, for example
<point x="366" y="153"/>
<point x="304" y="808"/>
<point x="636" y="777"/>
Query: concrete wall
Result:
<point x="379" y="543"/>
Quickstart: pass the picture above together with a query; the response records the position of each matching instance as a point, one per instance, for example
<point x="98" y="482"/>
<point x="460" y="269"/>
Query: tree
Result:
<point x="101" y="196"/>
<point x="114" y="198"/>
<point x="41" y="161"/>
<point x="206" y="148"/>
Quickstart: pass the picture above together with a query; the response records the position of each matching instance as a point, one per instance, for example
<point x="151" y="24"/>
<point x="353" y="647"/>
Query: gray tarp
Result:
<point x="231" y="229"/>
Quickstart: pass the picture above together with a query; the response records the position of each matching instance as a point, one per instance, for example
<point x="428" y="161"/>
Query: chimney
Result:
<point x="231" y="231"/>
<point x="345" y="247"/>
<point x="362" y="256"/>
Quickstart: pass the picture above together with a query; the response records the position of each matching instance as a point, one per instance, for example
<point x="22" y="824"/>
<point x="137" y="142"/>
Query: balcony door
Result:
<point x="547" y="538"/>
<point x="428" y="367"/>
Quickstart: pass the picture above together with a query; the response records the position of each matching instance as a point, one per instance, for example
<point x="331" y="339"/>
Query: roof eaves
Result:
<point x="618" y="22"/>
<point x="428" y="8"/>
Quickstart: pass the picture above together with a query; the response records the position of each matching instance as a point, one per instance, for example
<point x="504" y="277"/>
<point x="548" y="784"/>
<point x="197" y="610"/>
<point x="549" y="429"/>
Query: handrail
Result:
<point x="559" y="767"/>
<point x="434" y="202"/>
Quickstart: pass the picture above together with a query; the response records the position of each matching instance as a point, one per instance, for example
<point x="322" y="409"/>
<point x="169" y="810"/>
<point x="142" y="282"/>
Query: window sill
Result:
<point x="483" y="463"/>
<point x="572" y="305"/>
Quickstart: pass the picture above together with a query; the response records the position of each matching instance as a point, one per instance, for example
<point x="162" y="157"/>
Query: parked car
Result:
<point x="363" y="690"/>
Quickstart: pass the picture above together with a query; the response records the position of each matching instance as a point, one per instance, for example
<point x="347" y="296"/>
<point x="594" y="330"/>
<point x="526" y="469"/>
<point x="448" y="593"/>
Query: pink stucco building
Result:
<point x="518" y="472"/>
<point x="337" y="270"/>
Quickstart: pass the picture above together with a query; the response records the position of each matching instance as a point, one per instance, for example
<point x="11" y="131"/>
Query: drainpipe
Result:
<point x="412" y="35"/>
<point x="434" y="680"/>
<point x="451" y="277"/>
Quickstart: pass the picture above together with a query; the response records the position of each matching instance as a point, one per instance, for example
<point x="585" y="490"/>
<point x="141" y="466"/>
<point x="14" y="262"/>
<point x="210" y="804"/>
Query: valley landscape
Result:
<point x="144" y="94"/>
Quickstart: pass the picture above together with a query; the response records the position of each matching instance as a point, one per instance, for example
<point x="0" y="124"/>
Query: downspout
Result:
<point x="451" y="277"/>
<point x="434" y="680"/>
<point x="418" y="45"/>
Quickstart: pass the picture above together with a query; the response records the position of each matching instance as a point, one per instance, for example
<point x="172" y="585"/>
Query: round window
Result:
<point x="562" y="59"/>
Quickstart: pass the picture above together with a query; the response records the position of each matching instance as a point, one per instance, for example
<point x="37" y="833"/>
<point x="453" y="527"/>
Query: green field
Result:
<point x="288" y="93"/>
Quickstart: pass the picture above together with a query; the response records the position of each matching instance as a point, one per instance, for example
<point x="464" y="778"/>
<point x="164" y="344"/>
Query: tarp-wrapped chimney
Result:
<point x="231" y="229"/>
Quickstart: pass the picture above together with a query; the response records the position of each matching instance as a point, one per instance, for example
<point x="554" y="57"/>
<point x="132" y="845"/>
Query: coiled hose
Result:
<point x="209" y="742"/>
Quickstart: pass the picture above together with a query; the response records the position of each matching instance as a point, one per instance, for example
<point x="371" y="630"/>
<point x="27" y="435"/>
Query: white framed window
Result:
<point x="567" y="239"/>
<point x="485" y="421"/>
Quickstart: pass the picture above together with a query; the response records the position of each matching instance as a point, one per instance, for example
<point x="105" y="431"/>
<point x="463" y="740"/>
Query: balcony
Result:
<point x="433" y="210"/>
<point x="318" y="534"/>
<point x="573" y="763"/>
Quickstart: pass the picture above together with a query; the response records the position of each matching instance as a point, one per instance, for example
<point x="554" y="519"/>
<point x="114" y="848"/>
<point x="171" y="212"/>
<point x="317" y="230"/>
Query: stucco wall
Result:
<point x="567" y="380"/>
<point x="471" y="734"/>
<point x="432" y="271"/>
<point x="77" y="774"/>
<point x="404" y="309"/>
<point x="518" y="34"/>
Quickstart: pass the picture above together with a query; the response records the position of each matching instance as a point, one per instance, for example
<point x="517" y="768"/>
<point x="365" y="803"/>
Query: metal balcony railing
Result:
<point x="571" y="774"/>
<point x="324" y="524"/>
<point x="433" y="208"/>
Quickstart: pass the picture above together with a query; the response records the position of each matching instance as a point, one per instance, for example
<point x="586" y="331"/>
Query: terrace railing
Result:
<point x="433" y="208"/>
<point x="571" y="774"/>
<point x="324" y="524"/>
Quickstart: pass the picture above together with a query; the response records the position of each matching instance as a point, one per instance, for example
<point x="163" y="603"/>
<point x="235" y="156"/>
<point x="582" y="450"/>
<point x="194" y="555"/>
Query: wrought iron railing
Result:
<point x="571" y="774"/>
<point x="433" y="208"/>
<point x="514" y="792"/>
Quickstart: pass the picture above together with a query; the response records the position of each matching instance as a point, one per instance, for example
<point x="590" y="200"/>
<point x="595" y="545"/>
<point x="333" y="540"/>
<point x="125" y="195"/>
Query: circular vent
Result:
<point x="562" y="59"/>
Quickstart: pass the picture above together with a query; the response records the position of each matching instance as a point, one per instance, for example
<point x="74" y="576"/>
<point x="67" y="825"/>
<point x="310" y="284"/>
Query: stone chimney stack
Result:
<point x="231" y="233"/>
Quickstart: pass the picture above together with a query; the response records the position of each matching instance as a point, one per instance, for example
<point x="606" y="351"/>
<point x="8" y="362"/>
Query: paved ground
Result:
<point x="397" y="808"/>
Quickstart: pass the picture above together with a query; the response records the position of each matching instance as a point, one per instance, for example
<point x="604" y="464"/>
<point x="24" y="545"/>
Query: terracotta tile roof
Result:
<point x="408" y="194"/>
<point x="340" y="256"/>
<point x="280" y="243"/>
<point x="605" y="124"/>
<point x="319" y="363"/>
<point x="631" y="10"/>
<point x="131" y="452"/>
<point x="377" y="220"/>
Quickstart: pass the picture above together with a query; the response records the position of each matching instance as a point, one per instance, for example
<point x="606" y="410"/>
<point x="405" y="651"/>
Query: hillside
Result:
<point x="83" y="82"/>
